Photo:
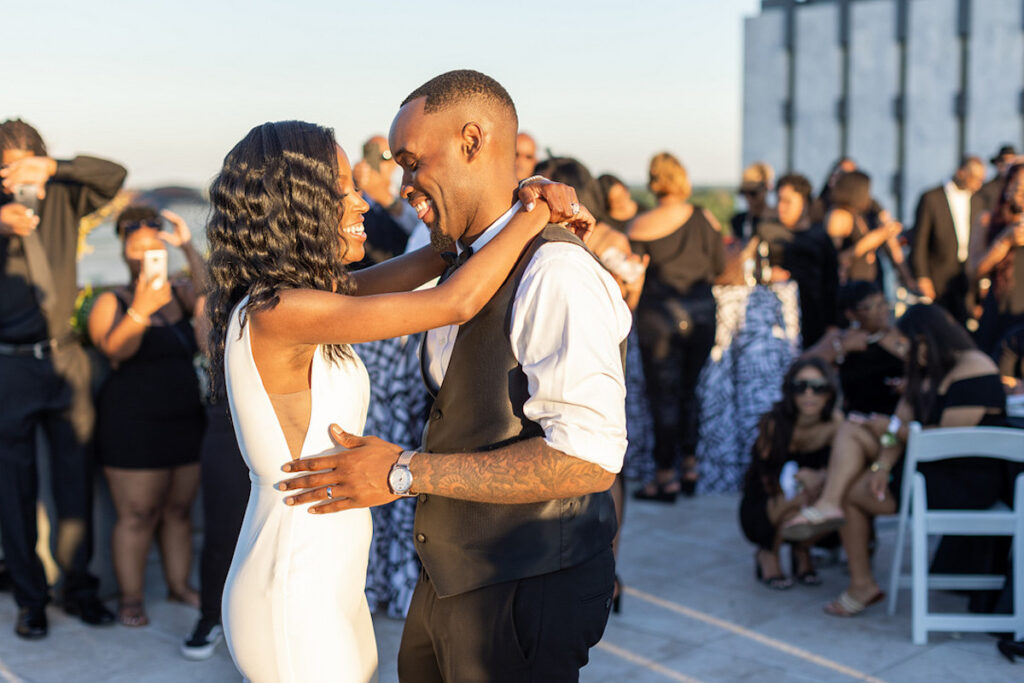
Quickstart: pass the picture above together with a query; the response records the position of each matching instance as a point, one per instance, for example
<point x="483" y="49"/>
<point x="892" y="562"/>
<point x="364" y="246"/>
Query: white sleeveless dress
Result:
<point x="294" y="607"/>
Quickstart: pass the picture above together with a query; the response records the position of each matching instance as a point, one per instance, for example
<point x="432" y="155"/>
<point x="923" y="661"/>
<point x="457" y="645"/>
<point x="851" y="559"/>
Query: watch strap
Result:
<point x="405" y="458"/>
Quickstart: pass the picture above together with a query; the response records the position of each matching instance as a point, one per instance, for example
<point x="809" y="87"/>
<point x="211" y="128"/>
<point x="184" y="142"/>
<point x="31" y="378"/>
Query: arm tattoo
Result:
<point x="527" y="471"/>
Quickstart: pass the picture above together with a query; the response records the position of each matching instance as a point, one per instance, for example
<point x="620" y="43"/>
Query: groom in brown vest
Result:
<point x="514" y="522"/>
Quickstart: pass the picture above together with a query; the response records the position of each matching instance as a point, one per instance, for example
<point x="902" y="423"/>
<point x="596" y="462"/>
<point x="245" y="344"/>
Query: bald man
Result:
<point x="514" y="522"/>
<point x="526" y="156"/>
<point x="942" y="233"/>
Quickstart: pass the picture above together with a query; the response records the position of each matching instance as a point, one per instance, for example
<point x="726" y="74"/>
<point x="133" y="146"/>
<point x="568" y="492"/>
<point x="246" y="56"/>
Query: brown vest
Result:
<point x="466" y="545"/>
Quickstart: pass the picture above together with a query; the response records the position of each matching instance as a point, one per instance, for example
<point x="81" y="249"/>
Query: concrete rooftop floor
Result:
<point x="692" y="612"/>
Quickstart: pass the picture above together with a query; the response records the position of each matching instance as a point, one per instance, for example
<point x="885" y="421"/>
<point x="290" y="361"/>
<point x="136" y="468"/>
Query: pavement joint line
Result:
<point x="649" y="664"/>
<point x="7" y="675"/>
<point x="773" y="643"/>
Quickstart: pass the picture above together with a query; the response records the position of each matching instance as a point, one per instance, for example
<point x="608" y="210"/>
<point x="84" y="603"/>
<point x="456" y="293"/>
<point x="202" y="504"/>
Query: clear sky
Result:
<point x="167" y="88"/>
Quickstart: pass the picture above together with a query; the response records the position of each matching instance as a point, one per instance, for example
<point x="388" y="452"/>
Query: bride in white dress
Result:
<point x="286" y="218"/>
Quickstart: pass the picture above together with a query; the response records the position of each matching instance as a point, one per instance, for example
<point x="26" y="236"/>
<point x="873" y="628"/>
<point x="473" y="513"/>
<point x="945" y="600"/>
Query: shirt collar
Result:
<point x="951" y="188"/>
<point x="492" y="230"/>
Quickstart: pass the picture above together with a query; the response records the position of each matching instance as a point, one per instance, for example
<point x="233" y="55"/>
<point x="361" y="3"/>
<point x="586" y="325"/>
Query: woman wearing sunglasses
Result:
<point x="949" y="383"/>
<point x="787" y="468"/>
<point x="149" y="416"/>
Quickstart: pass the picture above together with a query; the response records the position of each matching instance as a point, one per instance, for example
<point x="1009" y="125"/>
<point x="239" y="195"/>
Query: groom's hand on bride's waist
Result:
<point x="356" y="477"/>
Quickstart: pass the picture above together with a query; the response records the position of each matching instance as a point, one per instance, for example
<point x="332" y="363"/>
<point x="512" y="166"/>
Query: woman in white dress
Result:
<point x="286" y="218"/>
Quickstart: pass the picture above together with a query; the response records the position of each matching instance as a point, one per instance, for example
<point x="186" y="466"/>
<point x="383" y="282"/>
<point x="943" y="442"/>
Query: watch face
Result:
<point x="400" y="480"/>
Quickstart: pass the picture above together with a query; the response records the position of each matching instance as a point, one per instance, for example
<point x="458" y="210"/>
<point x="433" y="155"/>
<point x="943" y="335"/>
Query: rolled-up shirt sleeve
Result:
<point x="568" y="322"/>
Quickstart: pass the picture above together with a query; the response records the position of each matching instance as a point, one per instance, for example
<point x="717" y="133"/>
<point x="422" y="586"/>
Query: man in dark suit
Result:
<point x="942" y="234"/>
<point x="989" y="192"/>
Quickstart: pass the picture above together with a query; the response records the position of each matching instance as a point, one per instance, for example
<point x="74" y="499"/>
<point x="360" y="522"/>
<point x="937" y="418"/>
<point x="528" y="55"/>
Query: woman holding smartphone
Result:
<point x="149" y="416"/>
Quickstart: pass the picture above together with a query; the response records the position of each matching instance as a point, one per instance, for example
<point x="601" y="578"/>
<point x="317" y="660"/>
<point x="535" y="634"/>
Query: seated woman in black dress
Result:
<point x="798" y="429"/>
<point x="950" y="383"/>
<point x="869" y="353"/>
<point x="149" y="416"/>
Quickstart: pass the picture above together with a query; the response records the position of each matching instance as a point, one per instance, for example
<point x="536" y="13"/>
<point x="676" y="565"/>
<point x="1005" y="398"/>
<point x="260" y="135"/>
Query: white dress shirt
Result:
<point x="568" y="321"/>
<point x="960" y="206"/>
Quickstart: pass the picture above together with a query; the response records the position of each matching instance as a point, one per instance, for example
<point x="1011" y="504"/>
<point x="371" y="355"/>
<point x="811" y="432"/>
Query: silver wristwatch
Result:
<point x="400" y="476"/>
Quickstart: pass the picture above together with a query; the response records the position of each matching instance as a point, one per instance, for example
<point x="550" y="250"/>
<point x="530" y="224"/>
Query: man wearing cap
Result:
<point x="988" y="195"/>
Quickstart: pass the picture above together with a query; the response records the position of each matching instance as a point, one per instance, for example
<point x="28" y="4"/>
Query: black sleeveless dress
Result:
<point x="754" y="521"/>
<point x="869" y="379"/>
<point x="965" y="483"/>
<point x="149" y="414"/>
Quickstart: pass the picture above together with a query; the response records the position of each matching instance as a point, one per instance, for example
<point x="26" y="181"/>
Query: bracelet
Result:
<point x="532" y="179"/>
<point x="138" y="317"/>
<point x="879" y="466"/>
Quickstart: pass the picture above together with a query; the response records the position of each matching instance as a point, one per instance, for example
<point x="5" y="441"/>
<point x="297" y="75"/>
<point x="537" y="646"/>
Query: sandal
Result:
<point x="809" y="578"/>
<point x="848" y="606"/>
<point x="776" y="583"/>
<point x="809" y="523"/>
<point x="132" y="613"/>
<point x="688" y="482"/>
<point x="661" y="493"/>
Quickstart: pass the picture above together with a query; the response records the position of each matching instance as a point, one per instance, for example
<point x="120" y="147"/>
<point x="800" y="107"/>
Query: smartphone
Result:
<point x="27" y="196"/>
<point x="372" y="154"/>
<point x="154" y="267"/>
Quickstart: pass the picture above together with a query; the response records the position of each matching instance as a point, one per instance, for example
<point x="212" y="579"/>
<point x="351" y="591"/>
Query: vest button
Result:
<point x="423" y="497"/>
<point x="435" y="415"/>
<point x="422" y="538"/>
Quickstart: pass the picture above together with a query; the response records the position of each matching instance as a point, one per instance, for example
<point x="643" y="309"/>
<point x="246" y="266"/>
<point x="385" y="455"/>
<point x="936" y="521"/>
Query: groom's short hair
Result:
<point x="455" y="87"/>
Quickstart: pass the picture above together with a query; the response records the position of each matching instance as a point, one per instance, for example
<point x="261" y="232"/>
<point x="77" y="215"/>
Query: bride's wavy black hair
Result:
<point x="273" y="226"/>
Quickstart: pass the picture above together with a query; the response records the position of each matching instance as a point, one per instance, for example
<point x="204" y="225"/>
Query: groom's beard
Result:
<point x="440" y="241"/>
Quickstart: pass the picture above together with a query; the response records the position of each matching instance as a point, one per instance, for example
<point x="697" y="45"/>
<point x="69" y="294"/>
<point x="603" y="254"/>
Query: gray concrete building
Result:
<point x="904" y="87"/>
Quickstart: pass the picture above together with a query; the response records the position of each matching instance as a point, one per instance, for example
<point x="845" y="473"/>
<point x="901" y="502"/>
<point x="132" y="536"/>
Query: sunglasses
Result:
<point x="129" y="228"/>
<point x="818" y="386"/>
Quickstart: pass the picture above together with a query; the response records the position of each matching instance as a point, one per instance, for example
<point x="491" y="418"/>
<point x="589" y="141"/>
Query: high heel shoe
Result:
<point x="688" y="482"/>
<point x="1011" y="649"/>
<point x="776" y="583"/>
<point x="617" y="598"/>
<point x="661" y="493"/>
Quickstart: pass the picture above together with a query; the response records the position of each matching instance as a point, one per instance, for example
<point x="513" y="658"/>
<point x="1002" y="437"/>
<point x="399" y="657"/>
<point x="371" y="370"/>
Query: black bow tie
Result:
<point x="455" y="260"/>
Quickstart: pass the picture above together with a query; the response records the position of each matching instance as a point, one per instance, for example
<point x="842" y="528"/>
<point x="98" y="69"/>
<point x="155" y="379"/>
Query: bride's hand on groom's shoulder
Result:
<point x="564" y="204"/>
<point x="356" y="477"/>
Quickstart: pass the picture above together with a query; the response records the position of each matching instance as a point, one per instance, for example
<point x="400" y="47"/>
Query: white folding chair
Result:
<point x="943" y="444"/>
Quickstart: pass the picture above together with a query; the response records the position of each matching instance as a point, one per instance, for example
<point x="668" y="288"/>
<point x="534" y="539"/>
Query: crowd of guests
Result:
<point x="825" y="456"/>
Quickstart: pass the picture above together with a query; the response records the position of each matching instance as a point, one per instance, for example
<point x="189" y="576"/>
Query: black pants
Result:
<point x="955" y="298"/>
<point x="673" y="358"/>
<point x="225" y="489"/>
<point x="52" y="393"/>
<point x="537" y="629"/>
